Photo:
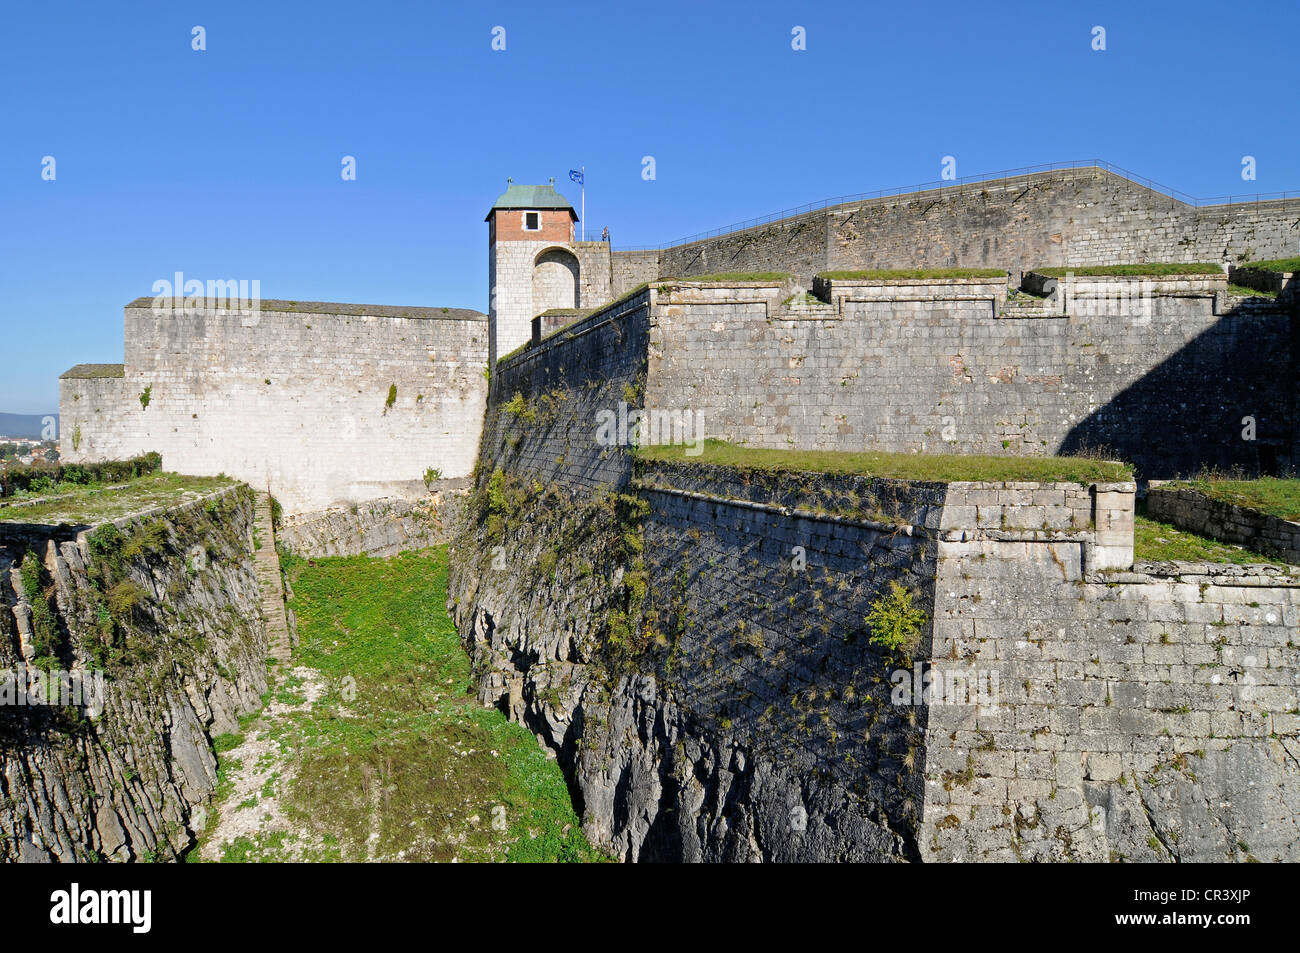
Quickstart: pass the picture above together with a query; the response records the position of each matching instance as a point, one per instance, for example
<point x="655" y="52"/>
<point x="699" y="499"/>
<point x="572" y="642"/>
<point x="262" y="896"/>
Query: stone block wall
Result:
<point x="559" y="390"/>
<point x="1160" y="372"/>
<point x="1195" y="512"/>
<point x="1085" y="216"/>
<point x="294" y="396"/>
<point x="631" y="268"/>
<point x="517" y="291"/>
<point x="764" y="611"/>
<point x="1141" y="716"/>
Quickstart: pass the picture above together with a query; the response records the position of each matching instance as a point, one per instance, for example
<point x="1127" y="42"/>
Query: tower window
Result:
<point x="532" y="221"/>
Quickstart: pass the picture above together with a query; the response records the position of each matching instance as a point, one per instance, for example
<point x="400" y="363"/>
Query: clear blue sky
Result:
<point x="225" y="163"/>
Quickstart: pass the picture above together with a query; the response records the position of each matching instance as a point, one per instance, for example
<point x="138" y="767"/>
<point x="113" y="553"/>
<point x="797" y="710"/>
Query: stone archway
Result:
<point x="555" y="280"/>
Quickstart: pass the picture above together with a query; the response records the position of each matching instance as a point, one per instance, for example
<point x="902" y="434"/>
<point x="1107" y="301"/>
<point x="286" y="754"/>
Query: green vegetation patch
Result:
<point x="399" y="756"/>
<point x="96" y="503"/>
<point x="1160" y="542"/>
<point x="936" y="468"/>
<point x="895" y="274"/>
<point x="1150" y="270"/>
<point x="1273" y="264"/>
<point x="1276" y="496"/>
<point x="1242" y="291"/>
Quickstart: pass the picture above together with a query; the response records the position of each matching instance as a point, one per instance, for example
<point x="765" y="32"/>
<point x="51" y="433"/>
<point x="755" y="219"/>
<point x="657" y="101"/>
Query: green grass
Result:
<point x="410" y="755"/>
<point x="1243" y="292"/>
<point x="1153" y="269"/>
<point x="1272" y="495"/>
<point x="941" y="468"/>
<point x="99" y="503"/>
<point x="888" y="274"/>
<point x="1161" y="542"/>
<point x="1273" y="264"/>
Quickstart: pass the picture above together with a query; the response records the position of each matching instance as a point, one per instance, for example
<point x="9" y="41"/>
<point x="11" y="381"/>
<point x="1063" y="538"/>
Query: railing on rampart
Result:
<point x="970" y="180"/>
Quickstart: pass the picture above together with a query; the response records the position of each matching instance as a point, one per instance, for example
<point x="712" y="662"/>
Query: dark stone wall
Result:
<point x="559" y="389"/>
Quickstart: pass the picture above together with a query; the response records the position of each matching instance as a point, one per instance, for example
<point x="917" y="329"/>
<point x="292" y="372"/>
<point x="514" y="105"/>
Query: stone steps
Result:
<point x="1030" y="306"/>
<point x="810" y="307"/>
<point x="266" y="561"/>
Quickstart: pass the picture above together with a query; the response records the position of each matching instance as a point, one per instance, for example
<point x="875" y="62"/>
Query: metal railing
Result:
<point x="965" y="181"/>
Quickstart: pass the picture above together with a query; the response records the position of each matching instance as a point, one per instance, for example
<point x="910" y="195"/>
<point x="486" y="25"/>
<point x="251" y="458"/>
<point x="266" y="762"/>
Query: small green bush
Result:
<point x="894" y="622"/>
<point x="498" y="500"/>
<point x="123" y="598"/>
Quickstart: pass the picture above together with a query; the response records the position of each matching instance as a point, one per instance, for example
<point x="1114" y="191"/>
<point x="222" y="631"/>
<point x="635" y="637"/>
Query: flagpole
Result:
<point x="584" y="201"/>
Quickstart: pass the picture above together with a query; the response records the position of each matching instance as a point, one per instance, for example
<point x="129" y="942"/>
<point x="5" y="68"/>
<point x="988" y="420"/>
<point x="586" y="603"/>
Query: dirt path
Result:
<point x="252" y="823"/>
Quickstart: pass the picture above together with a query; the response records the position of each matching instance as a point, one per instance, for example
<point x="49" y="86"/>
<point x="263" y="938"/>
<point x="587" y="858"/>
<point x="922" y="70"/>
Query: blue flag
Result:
<point x="576" y="176"/>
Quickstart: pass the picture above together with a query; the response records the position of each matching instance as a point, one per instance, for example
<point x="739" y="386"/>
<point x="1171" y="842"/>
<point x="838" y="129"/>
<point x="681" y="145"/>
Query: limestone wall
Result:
<point x="1161" y="372"/>
<point x="1067" y="217"/>
<point x="1141" y="716"/>
<point x="295" y="396"/>
<point x="711" y="701"/>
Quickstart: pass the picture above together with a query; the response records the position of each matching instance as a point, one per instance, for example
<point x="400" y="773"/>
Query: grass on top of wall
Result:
<point x="1276" y="496"/>
<point x="1273" y="264"/>
<point x="76" y="504"/>
<point x="1150" y="270"/>
<point x="1241" y="291"/>
<point x="894" y="274"/>
<point x="1154" y="541"/>
<point x="930" y="467"/>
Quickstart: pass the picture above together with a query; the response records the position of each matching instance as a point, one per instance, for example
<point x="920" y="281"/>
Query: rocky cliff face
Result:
<point x="162" y="611"/>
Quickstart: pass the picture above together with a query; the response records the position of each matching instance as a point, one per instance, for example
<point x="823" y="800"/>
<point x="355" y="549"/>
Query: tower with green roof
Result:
<point x="534" y="264"/>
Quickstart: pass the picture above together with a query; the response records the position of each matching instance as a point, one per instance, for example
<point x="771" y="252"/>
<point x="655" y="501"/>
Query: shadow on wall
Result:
<point x="1202" y="406"/>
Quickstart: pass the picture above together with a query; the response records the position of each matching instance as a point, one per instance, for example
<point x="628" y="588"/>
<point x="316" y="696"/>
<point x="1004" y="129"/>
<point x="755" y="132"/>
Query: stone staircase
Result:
<point x="267" y="562"/>
<point x="805" y="306"/>
<point x="1022" y="305"/>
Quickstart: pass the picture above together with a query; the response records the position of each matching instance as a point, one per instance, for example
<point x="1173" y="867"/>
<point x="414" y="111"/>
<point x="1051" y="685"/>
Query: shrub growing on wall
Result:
<point x="894" y="622"/>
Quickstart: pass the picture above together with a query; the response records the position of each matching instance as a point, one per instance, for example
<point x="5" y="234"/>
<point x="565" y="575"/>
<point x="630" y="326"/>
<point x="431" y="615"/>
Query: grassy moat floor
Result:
<point x="373" y="746"/>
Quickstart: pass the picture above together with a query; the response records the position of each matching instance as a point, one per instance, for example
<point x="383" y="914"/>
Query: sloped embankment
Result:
<point x="165" y="607"/>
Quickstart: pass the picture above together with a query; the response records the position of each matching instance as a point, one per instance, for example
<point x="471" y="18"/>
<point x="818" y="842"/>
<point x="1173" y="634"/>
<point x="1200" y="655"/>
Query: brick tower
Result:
<point x="532" y="262"/>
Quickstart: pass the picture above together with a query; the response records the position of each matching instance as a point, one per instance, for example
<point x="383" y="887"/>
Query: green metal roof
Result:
<point x="531" y="196"/>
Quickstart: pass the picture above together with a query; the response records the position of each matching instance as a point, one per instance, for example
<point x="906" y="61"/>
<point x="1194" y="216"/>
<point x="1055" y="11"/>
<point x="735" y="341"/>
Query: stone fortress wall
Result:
<point x="1159" y="371"/>
<point x="1056" y="218"/>
<point x="321" y="432"/>
<point x="294" y="397"/>
<point x="1130" y="702"/>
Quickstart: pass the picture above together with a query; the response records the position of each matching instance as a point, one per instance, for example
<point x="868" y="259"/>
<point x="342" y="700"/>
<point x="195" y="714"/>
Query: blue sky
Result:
<point x="226" y="163"/>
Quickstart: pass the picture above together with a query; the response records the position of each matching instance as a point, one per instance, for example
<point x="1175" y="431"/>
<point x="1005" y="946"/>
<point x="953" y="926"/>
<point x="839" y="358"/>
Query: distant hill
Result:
<point x="24" y="425"/>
